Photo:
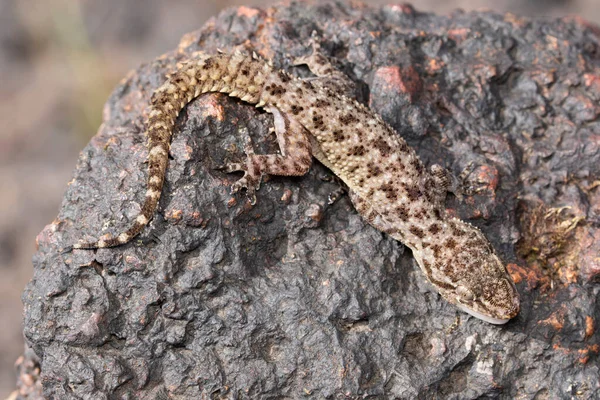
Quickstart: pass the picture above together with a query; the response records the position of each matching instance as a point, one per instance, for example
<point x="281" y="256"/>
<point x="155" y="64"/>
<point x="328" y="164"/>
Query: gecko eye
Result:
<point x="464" y="293"/>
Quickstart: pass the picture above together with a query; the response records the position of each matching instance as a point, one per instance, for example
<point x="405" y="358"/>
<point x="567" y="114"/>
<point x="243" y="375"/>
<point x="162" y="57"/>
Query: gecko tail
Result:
<point x="220" y="73"/>
<point x="140" y="222"/>
<point x="157" y="163"/>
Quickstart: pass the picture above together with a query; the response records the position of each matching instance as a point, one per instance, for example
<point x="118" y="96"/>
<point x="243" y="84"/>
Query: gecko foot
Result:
<point x="325" y="72"/>
<point x="445" y="181"/>
<point x="231" y="167"/>
<point x="250" y="184"/>
<point x="294" y="160"/>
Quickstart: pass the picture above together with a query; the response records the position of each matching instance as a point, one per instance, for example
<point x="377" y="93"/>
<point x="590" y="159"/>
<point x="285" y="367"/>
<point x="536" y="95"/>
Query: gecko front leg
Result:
<point x="295" y="158"/>
<point x="325" y="73"/>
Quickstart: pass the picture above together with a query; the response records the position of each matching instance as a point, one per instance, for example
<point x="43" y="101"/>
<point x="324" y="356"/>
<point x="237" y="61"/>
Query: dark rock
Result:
<point x="295" y="297"/>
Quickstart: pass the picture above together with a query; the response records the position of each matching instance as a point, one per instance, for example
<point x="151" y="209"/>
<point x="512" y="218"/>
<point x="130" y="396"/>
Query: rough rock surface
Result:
<point x="295" y="297"/>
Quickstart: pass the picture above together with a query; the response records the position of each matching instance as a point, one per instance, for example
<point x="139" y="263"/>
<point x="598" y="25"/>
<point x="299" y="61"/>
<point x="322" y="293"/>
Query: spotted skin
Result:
<point x="387" y="182"/>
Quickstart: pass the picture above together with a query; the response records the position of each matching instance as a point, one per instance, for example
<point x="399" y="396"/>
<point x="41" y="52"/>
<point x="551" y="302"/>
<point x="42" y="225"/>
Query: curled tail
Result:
<point x="239" y="75"/>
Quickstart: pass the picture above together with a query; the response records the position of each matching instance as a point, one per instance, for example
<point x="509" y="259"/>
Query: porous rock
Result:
<point x="296" y="297"/>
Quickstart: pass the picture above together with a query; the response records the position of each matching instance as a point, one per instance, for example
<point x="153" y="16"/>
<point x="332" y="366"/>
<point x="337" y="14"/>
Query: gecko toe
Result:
<point x="249" y="184"/>
<point x="230" y="167"/>
<point x="66" y="250"/>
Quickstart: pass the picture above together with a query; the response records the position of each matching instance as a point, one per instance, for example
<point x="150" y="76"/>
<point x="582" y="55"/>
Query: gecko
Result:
<point x="387" y="183"/>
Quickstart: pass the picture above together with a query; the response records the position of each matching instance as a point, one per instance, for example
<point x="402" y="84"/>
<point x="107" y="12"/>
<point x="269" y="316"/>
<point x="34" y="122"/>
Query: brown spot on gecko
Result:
<point x="420" y="213"/>
<point x="418" y="232"/>
<point x="319" y="123"/>
<point x="450" y="243"/>
<point x="319" y="103"/>
<point x="373" y="170"/>
<point x="389" y="190"/>
<point x="303" y="145"/>
<point x="402" y="213"/>
<point x="402" y="146"/>
<point x="296" y="109"/>
<point x="412" y="192"/>
<point x="275" y="90"/>
<point x="338" y="135"/>
<point x="358" y="151"/>
<point x="417" y="165"/>
<point x="383" y="147"/>
<point x="348" y="119"/>
<point x="305" y="160"/>
<point x="434" y="228"/>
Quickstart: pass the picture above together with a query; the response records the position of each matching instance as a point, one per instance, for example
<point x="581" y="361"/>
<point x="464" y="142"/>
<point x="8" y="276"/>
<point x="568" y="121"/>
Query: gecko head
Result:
<point x="489" y="292"/>
<point x="495" y="301"/>
<point x="471" y="276"/>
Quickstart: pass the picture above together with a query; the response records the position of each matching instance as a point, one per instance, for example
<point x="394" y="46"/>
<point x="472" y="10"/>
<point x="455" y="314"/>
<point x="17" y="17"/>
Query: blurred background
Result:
<point x="59" y="60"/>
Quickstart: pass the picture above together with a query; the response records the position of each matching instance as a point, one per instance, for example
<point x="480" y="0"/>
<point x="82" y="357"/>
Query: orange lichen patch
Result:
<point x="459" y="34"/>
<point x="584" y="354"/>
<point x="196" y="220"/>
<point x="589" y="326"/>
<point x="405" y="81"/>
<point x="174" y="215"/>
<point x="112" y="141"/>
<point x="556" y="320"/>
<point x="434" y="65"/>
<point x="592" y="81"/>
<point x="517" y="273"/>
<point x="247" y="12"/>
<point x="558" y="347"/>
<point x="390" y="76"/>
<point x="548" y="241"/>
<point x="212" y="107"/>
<point x="375" y="34"/>
<point x="186" y="41"/>
<point x="538" y="278"/>
<point x="515" y="20"/>
<point x="487" y="177"/>
<point x="231" y="202"/>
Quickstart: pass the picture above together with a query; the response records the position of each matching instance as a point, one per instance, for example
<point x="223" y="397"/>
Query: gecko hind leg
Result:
<point x="295" y="158"/>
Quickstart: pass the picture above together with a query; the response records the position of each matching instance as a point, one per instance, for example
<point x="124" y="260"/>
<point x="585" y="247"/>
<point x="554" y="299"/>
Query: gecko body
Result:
<point x="388" y="184"/>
